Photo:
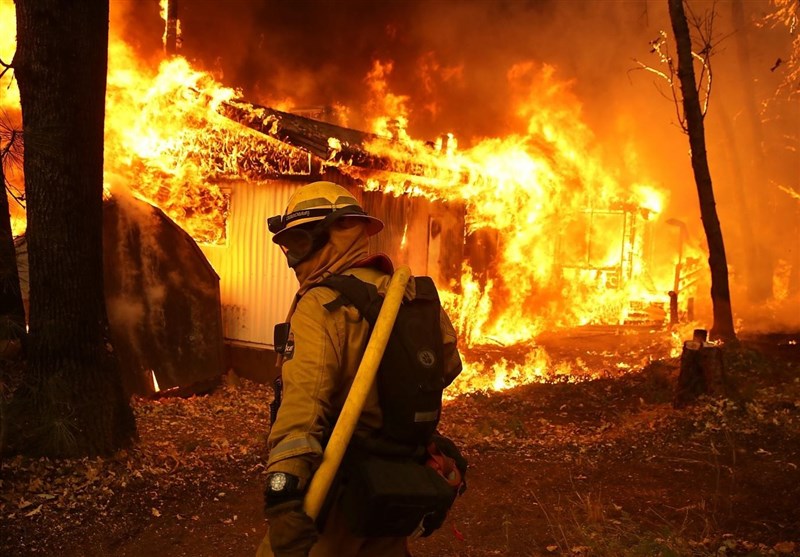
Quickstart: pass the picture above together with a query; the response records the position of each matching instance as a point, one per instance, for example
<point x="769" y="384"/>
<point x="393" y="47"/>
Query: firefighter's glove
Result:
<point x="449" y="449"/>
<point x="292" y="532"/>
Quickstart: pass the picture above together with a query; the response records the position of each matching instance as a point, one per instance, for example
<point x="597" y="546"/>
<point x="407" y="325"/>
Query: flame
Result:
<point x="9" y="93"/>
<point x="404" y="239"/>
<point x="569" y="230"/>
<point x="10" y="109"/>
<point x="156" y="388"/>
<point x="390" y="111"/>
<point x="160" y="128"/>
<point x="564" y="231"/>
<point x="165" y="139"/>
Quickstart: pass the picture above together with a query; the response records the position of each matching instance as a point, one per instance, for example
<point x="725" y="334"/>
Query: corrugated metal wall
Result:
<point x="256" y="286"/>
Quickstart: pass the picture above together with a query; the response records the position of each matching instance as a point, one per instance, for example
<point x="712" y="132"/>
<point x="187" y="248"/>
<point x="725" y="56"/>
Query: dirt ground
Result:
<point x="604" y="467"/>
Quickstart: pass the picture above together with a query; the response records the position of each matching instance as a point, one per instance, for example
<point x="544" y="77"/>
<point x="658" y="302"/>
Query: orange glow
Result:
<point x="570" y="231"/>
<point x="567" y="232"/>
<point x="9" y="93"/>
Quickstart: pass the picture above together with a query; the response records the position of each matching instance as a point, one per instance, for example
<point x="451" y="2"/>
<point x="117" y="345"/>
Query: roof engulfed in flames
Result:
<point x="166" y="141"/>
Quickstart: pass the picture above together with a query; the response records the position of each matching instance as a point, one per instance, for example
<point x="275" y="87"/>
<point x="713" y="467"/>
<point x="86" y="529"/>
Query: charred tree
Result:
<point x="171" y="32"/>
<point x="722" y="327"/>
<point x="73" y="402"/>
<point x="12" y="310"/>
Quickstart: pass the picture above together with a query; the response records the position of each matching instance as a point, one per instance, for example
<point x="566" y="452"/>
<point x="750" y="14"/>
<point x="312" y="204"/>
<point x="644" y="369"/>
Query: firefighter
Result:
<point x="324" y="231"/>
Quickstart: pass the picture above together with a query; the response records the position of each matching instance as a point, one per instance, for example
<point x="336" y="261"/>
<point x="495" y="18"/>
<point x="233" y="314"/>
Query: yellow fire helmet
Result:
<point x="303" y="228"/>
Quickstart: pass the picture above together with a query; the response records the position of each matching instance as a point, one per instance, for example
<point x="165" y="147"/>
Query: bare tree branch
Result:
<point x="6" y="67"/>
<point x="666" y="77"/>
<point x="703" y="25"/>
<point x="786" y="13"/>
<point x="659" y="48"/>
<point x="791" y="192"/>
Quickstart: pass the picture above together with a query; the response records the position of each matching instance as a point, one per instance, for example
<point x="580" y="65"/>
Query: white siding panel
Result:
<point x="256" y="286"/>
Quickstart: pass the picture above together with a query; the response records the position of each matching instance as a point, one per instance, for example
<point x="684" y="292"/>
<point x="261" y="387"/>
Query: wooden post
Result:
<point x="673" y="308"/>
<point x="171" y="33"/>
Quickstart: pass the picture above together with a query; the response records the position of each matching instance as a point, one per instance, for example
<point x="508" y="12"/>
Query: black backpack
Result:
<point x="411" y="376"/>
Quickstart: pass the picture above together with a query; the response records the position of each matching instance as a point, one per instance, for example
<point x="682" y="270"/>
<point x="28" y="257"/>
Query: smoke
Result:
<point x="451" y="63"/>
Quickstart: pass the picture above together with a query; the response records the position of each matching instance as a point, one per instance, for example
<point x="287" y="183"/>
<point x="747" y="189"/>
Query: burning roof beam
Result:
<point x="333" y="144"/>
<point x="305" y="133"/>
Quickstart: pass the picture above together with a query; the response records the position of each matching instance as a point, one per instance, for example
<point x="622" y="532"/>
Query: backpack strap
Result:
<point x="352" y="291"/>
<point x="425" y="289"/>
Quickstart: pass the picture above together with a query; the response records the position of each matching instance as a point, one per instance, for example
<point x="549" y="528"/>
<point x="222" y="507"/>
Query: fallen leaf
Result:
<point x="35" y="511"/>
<point x="456" y="532"/>
<point x="155" y="512"/>
<point x="785" y="548"/>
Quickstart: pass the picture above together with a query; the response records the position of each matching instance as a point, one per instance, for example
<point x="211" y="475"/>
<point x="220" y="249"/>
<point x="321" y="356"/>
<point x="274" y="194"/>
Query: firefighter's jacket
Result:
<point x="327" y="349"/>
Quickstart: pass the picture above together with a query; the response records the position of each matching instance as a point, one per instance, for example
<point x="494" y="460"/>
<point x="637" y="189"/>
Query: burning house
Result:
<point x="532" y="225"/>
<point x="519" y="237"/>
<point x="257" y="286"/>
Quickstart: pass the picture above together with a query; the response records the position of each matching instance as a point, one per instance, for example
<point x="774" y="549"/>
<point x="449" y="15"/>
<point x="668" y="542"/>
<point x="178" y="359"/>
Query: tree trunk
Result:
<point x="12" y="311"/>
<point x="702" y="372"/>
<point x="720" y="292"/>
<point x="74" y="404"/>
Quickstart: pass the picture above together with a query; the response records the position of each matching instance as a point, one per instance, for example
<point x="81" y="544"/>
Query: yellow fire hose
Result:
<point x="351" y="411"/>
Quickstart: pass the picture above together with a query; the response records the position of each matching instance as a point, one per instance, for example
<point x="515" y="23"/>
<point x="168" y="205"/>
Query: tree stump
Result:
<point x="702" y="370"/>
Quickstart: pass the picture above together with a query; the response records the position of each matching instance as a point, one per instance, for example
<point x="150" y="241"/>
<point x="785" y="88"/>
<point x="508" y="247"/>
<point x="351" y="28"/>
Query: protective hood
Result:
<point x="345" y="247"/>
